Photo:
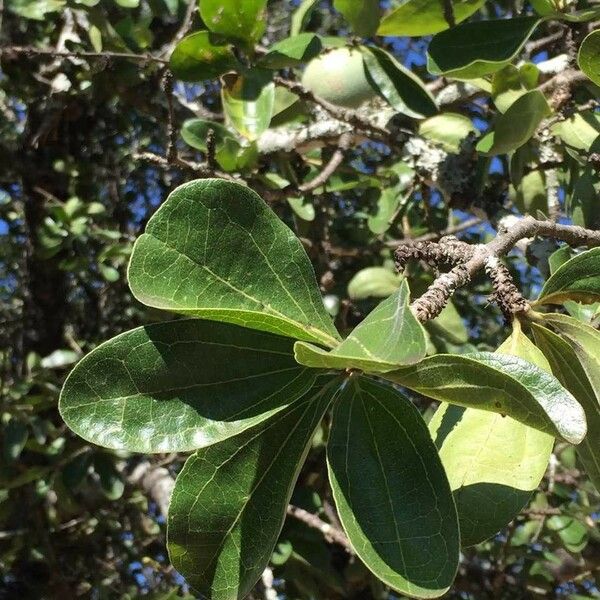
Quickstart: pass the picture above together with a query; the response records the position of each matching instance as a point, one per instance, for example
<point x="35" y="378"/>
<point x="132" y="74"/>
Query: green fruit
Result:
<point x="339" y="77"/>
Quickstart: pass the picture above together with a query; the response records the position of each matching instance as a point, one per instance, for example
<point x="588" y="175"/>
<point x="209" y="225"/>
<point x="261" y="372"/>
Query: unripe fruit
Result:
<point x="339" y="77"/>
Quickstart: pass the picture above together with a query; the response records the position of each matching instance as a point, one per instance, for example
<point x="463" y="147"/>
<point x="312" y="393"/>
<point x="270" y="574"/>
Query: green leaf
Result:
<point x="248" y="102"/>
<point x="363" y="15"/>
<point x="424" y="17"/>
<point x="292" y="51"/>
<point x="449" y="325"/>
<point x="14" y="437"/>
<point x="388" y="337"/>
<point x="530" y="196"/>
<point x="110" y="479"/>
<point x="376" y="282"/>
<point x="567" y="361"/>
<point x="301" y="16"/>
<point x="214" y="250"/>
<point x="577" y="279"/>
<point x="401" y="88"/>
<point x="230" y="500"/>
<point x="493" y="463"/>
<point x="448" y="129"/>
<point x="572" y="533"/>
<point x="588" y="57"/>
<point x="391" y="491"/>
<point x="198" y="57"/>
<point x="243" y="20"/>
<point x="582" y="205"/>
<point x="578" y="131"/>
<point x="35" y="9"/>
<point x="498" y="383"/>
<point x="510" y="83"/>
<point x="472" y="50"/>
<point x="303" y="209"/>
<point x="517" y="125"/>
<point x="180" y="385"/>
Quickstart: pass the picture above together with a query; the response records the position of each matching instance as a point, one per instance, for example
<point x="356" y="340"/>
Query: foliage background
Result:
<point x="75" y="191"/>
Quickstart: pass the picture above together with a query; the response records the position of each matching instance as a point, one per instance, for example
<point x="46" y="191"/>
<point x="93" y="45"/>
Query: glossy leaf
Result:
<point x="517" y="125"/>
<point x="292" y="51"/>
<point x="376" y="282"/>
<point x="391" y="491"/>
<point x="214" y="250"/>
<point x="424" y="17"/>
<point x="243" y="20"/>
<point x="448" y="129"/>
<point x="230" y="500"/>
<point x="588" y="57"/>
<point x="493" y="462"/>
<point x="388" y="337"/>
<point x="568" y="367"/>
<point x="248" y="102"/>
<point x="498" y="383"/>
<point x="198" y="57"/>
<point x="180" y="385"/>
<point x="363" y="15"/>
<point x="473" y="50"/>
<point x="572" y="533"/>
<point x="401" y="88"/>
<point x="302" y="15"/>
<point x="577" y="279"/>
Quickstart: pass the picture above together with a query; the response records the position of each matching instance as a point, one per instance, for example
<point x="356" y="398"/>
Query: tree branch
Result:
<point x="431" y="303"/>
<point x="313" y="521"/>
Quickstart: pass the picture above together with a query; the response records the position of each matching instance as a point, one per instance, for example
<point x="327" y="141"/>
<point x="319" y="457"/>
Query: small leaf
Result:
<point x="243" y="20"/>
<point x="214" y="250"/>
<point x="567" y="360"/>
<point x="473" y="50"/>
<point x="388" y="337"/>
<point x="180" y="385"/>
<point x="391" y="491"/>
<point x="301" y="16"/>
<point x="493" y="463"/>
<point x="448" y="129"/>
<point x="424" y="17"/>
<point x="195" y="131"/>
<point x="376" y="282"/>
<point x="510" y="83"/>
<point x="530" y="196"/>
<point x="588" y="57"/>
<point x="363" y="15"/>
<point x="401" y="88"/>
<point x="292" y="51"/>
<point x="111" y="481"/>
<point x="248" y="102"/>
<point x="498" y="383"/>
<point x="579" y="131"/>
<point x="198" y="57"/>
<point x="516" y="126"/>
<point x="230" y="500"/>
<point x="577" y="279"/>
<point x="14" y="437"/>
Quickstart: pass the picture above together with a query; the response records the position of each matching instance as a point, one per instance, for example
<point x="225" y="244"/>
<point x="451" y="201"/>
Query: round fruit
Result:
<point x="339" y="77"/>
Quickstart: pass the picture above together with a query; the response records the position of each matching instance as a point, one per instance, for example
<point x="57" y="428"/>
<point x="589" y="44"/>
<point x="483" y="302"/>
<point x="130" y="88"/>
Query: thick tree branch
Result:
<point x="431" y="303"/>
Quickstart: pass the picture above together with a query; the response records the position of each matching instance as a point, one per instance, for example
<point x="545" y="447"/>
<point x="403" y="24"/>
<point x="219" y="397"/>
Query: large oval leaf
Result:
<point x="214" y="250"/>
<point x="390" y="336"/>
<point x="243" y="20"/>
<point x="568" y="368"/>
<point x="577" y="279"/>
<point x="391" y="491"/>
<point x="472" y="50"/>
<point x="517" y="125"/>
<point x="180" y="385"/>
<point x="230" y="500"/>
<point x="292" y="51"/>
<point x="493" y="463"/>
<point x="401" y="88"/>
<point x="363" y="16"/>
<point x="198" y="57"/>
<point x="498" y="383"/>
<point x="424" y="17"/>
<point x="588" y="57"/>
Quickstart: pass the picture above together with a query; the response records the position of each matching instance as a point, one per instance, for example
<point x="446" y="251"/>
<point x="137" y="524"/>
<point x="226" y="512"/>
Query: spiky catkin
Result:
<point x="449" y="251"/>
<point x="506" y="294"/>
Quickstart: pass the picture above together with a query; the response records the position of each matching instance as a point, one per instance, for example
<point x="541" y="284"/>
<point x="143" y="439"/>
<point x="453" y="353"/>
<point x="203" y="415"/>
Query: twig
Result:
<point x="334" y="162"/>
<point x="329" y="532"/>
<point x="32" y="51"/>
<point x="211" y="147"/>
<point x="200" y="170"/>
<point x="171" y="131"/>
<point x="185" y="27"/>
<point x="431" y="303"/>
<point x="339" y="112"/>
<point x="449" y="13"/>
